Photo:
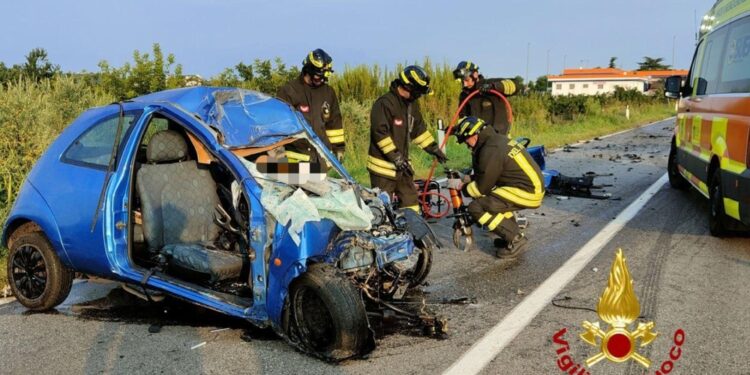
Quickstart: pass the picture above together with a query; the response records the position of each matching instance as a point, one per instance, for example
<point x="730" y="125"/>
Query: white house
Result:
<point x="605" y="80"/>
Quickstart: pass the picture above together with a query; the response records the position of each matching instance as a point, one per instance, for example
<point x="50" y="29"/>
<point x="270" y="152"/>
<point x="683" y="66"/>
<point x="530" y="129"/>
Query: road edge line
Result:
<point x="498" y="337"/>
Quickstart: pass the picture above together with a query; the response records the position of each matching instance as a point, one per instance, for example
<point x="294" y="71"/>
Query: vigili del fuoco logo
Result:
<point x="618" y="307"/>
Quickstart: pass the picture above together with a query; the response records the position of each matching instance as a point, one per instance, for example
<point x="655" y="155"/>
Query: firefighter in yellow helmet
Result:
<point x="485" y="105"/>
<point x="395" y="122"/>
<point x="315" y="99"/>
<point x="506" y="179"/>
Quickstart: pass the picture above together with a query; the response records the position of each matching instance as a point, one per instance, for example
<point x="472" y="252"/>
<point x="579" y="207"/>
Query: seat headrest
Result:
<point x="165" y="146"/>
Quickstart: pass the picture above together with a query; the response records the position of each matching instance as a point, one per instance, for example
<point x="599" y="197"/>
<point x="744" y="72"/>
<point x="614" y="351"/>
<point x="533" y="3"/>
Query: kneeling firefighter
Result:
<point x="395" y="122"/>
<point x="506" y="179"/>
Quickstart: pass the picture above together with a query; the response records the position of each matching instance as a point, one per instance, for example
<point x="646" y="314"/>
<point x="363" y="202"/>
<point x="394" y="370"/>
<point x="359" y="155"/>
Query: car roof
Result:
<point x="245" y="118"/>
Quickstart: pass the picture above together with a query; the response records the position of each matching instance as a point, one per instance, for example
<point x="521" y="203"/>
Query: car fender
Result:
<point x="30" y="206"/>
<point x="289" y="261"/>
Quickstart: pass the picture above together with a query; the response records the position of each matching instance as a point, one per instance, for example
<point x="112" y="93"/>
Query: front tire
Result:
<point x="676" y="180"/>
<point x="423" y="267"/>
<point x="36" y="276"/>
<point x="326" y="315"/>
<point x="717" y="219"/>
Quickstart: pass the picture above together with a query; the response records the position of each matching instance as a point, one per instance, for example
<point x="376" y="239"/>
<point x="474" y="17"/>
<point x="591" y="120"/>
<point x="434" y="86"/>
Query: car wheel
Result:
<point x="675" y="178"/>
<point x="423" y="267"/>
<point x="717" y="218"/>
<point x="36" y="276"/>
<point x="326" y="314"/>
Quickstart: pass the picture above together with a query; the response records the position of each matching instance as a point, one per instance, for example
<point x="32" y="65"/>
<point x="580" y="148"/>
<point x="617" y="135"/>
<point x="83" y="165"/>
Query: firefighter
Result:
<point x="485" y="105"/>
<point x="395" y="122"/>
<point x="506" y="179"/>
<point x="315" y="99"/>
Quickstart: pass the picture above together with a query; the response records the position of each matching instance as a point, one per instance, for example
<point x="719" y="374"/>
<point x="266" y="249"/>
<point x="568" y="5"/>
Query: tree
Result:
<point x="541" y="84"/>
<point x="245" y="71"/>
<point x="37" y="66"/>
<point x="650" y="63"/>
<point x="612" y="62"/>
<point x="146" y="75"/>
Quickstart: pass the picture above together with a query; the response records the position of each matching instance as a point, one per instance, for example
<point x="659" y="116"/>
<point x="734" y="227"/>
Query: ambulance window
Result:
<point x="708" y="81"/>
<point x="694" y="67"/>
<point x="735" y="74"/>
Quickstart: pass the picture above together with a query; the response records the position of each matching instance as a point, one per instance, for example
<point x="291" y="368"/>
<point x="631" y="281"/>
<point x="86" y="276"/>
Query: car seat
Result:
<point x="178" y="200"/>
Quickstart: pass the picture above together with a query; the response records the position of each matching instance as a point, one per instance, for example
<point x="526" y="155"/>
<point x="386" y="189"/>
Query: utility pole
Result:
<point x="528" y="56"/>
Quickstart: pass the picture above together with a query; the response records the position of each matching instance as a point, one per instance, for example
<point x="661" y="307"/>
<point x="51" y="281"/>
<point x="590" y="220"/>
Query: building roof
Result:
<point x="614" y="74"/>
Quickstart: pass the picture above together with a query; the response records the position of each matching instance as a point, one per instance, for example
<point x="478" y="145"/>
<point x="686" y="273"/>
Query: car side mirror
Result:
<point x="672" y="87"/>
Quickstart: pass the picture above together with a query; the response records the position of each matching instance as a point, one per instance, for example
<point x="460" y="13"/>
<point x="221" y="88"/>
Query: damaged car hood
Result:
<point x="244" y="118"/>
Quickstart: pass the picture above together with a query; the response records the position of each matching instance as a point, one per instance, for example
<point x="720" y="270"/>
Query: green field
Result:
<point x="34" y="112"/>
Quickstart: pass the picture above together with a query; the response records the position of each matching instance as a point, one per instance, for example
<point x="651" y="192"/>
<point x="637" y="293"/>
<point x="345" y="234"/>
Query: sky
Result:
<point x="502" y="37"/>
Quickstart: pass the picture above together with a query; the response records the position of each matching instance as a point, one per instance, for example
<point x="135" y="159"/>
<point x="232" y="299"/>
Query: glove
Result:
<point x="440" y="156"/>
<point x="403" y="165"/>
<point x="435" y="151"/>
<point x="485" y="88"/>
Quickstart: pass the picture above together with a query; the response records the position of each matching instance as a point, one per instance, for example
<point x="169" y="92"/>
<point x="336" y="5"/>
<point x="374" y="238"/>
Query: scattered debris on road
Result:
<point x="581" y="187"/>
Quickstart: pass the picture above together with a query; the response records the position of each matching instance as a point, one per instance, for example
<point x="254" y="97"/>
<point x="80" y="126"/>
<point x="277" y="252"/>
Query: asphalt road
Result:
<point x="684" y="279"/>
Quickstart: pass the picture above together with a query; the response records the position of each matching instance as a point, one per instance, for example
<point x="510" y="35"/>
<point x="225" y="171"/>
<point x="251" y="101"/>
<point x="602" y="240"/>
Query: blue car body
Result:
<point x="61" y="196"/>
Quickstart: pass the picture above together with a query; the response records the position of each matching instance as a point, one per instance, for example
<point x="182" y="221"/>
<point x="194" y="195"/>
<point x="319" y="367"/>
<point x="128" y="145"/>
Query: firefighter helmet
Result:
<point x="465" y="69"/>
<point x="468" y="126"/>
<point x="415" y="80"/>
<point x="318" y="63"/>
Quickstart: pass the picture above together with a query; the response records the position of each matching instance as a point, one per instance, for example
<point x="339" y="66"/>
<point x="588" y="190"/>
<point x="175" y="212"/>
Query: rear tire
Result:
<point x="717" y="216"/>
<point x="326" y="315"/>
<point x="36" y="276"/>
<point x="675" y="178"/>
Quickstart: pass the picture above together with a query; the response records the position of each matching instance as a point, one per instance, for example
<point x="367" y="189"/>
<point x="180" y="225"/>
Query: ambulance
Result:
<point x="710" y="146"/>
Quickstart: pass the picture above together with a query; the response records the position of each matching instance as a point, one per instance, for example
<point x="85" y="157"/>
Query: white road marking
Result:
<point x="494" y="341"/>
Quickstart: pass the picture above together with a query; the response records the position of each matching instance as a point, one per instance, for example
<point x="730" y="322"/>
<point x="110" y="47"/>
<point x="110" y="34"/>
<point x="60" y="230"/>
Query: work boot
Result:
<point x="514" y="248"/>
<point x="500" y="243"/>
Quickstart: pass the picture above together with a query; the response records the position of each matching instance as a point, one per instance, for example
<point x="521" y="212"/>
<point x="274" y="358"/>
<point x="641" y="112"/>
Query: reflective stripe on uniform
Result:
<point x="499" y="219"/>
<point x="473" y="190"/>
<point x="381" y="166"/>
<point x="294" y="157"/>
<point x="520" y="196"/>
<point x="334" y="132"/>
<point x="485" y="218"/>
<point x="424" y="139"/>
<point x="381" y="163"/>
<point x="337" y="139"/>
<point x="386" y="145"/>
<point x="415" y="208"/>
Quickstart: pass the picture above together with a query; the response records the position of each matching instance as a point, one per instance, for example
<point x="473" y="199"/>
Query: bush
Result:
<point x="31" y="116"/>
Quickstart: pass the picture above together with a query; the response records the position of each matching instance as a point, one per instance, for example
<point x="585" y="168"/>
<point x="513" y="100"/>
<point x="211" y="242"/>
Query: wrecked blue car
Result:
<point x="187" y="193"/>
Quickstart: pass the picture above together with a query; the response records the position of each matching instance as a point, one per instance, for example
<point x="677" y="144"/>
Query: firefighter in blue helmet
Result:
<point x="485" y="105"/>
<point x="506" y="179"/>
<point x="311" y="95"/>
<point x="395" y="122"/>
